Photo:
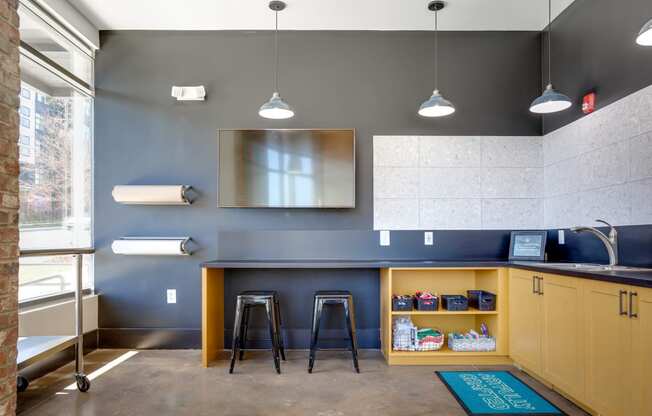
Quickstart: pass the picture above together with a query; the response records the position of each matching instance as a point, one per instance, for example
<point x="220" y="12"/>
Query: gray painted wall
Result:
<point x="594" y="49"/>
<point x="370" y="81"/>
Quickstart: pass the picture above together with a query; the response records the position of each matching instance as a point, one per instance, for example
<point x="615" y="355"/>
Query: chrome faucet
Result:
<point x="610" y="242"/>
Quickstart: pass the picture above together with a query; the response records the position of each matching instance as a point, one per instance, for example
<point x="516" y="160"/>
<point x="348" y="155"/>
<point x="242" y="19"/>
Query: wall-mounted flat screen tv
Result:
<point x="286" y="168"/>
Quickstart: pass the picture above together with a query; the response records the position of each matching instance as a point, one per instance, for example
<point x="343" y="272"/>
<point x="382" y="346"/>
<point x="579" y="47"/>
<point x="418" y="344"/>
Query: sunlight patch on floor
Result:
<point x="106" y="367"/>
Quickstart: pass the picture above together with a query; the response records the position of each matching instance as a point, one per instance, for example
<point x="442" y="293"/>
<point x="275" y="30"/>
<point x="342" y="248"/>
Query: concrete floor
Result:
<point x="165" y="383"/>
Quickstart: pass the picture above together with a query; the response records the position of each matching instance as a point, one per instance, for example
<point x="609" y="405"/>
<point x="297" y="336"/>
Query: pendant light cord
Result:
<point x="276" y="52"/>
<point x="549" y="41"/>
<point x="436" y="49"/>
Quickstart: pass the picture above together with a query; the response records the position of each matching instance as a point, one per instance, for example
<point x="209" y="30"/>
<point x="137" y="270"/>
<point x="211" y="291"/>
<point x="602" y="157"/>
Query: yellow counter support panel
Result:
<point x="212" y="314"/>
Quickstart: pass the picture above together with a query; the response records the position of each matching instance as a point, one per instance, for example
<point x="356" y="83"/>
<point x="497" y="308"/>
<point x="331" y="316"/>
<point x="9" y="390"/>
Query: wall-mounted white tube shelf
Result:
<point x="152" y="194"/>
<point x="152" y="246"/>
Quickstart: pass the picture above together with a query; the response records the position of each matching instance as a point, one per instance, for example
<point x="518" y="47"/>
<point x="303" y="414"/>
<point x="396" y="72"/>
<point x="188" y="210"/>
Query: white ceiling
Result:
<point x="317" y="14"/>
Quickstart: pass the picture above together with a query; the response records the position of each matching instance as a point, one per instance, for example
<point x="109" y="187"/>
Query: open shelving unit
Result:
<point x="445" y="281"/>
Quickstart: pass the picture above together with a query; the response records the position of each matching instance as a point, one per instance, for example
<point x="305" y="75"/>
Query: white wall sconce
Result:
<point x="197" y="93"/>
<point x="152" y="246"/>
<point x="152" y="194"/>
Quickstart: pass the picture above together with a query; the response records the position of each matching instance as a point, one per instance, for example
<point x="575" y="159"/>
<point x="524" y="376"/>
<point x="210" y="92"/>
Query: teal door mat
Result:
<point x="491" y="393"/>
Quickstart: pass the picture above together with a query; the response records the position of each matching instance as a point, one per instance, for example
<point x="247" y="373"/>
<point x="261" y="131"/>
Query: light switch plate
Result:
<point x="428" y="238"/>
<point x="172" y="295"/>
<point x="384" y="238"/>
<point x="561" y="238"/>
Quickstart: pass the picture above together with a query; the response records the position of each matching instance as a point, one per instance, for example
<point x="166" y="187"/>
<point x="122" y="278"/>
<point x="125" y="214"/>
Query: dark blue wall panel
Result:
<point x="370" y="81"/>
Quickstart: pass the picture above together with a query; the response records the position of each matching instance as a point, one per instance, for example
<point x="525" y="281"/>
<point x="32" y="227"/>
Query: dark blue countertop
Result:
<point x="635" y="278"/>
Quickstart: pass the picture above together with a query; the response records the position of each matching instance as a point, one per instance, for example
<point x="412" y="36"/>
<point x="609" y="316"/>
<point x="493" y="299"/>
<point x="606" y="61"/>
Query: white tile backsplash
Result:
<point x="606" y="166"/>
<point x="450" y="151"/>
<point x="397" y="151"/>
<point x="508" y="152"/>
<point x="596" y="166"/>
<point x="512" y="182"/>
<point x="450" y="182"/>
<point x="507" y="214"/>
<point x="396" y="182"/>
<point x="611" y="203"/>
<point x="640" y="195"/>
<point x="450" y="214"/>
<point x="599" y="166"/>
<point x="396" y="214"/>
<point x="456" y="177"/>
<point x="640" y="157"/>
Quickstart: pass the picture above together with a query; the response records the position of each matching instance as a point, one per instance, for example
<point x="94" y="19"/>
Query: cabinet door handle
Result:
<point x="631" y="305"/>
<point x="622" y="311"/>
<point x="541" y="286"/>
<point x="534" y="284"/>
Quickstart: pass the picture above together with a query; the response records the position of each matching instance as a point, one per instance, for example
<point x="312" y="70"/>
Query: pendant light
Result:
<point x="550" y="101"/>
<point x="436" y="105"/>
<point x="276" y="108"/>
<point x="645" y="35"/>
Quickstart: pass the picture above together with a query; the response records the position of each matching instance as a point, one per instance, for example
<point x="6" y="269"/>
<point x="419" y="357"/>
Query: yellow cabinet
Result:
<point x="640" y="310"/>
<point x="608" y="347"/>
<point x="563" y="334"/>
<point x="525" y="320"/>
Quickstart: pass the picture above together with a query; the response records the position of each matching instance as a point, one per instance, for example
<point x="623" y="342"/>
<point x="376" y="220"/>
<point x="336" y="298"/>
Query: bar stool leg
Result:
<point x="244" y="330"/>
<point x="350" y="323"/>
<point x="316" y="318"/>
<point x="271" y="317"/>
<point x="279" y="329"/>
<point x="236" y="332"/>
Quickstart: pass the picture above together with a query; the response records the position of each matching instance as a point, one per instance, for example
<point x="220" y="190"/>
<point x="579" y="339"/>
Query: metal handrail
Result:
<point x="56" y="252"/>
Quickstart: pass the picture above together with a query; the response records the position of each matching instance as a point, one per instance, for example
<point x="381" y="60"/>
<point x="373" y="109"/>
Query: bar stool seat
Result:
<point x="244" y="302"/>
<point x="333" y="297"/>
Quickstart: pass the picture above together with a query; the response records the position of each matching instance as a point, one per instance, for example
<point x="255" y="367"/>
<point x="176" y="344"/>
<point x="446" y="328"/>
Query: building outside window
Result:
<point x="56" y="144"/>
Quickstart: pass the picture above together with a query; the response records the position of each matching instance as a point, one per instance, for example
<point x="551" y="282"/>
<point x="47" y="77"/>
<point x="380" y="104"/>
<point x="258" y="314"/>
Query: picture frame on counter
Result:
<point x="528" y="245"/>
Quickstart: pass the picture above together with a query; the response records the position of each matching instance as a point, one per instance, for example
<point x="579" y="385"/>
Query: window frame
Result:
<point x="28" y="52"/>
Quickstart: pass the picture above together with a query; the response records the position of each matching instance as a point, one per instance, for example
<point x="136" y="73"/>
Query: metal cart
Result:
<point x="35" y="348"/>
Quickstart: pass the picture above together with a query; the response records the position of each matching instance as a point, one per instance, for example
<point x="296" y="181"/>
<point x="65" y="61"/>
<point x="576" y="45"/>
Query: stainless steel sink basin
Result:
<point x="592" y="267"/>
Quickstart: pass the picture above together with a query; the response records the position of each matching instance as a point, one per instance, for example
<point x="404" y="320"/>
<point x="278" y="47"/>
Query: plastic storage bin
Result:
<point x="482" y="300"/>
<point x="431" y="304"/>
<point x="402" y="304"/>
<point x="459" y="342"/>
<point x="455" y="302"/>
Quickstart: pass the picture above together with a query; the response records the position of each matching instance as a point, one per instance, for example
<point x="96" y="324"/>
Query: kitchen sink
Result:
<point x="591" y="267"/>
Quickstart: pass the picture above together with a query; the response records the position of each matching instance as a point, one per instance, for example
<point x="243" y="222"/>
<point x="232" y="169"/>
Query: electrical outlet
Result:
<point x="428" y="238"/>
<point x="561" y="238"/>
<point x="172" y="295"/>
<point x="384" y="238"/>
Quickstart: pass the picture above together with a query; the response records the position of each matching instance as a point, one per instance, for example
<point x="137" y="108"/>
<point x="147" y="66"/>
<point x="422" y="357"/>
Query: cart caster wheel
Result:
<point x="83" y="383"/>
<point x="21" y="383"/>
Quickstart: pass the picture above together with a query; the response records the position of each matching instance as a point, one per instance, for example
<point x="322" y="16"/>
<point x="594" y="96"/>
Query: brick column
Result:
<point x="9" y="102"/>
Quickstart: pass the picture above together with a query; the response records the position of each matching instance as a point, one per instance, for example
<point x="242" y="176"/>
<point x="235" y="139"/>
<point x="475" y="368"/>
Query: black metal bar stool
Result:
<point x="333" y="297"/>
<point x="245" y="301"/>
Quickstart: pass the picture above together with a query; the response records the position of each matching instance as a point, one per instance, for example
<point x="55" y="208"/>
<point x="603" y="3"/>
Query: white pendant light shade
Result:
<point x="436" y="106"/>
<point x="550" y="101"/>
<point x="645" y="35"/>
<point x="276" y="109"/>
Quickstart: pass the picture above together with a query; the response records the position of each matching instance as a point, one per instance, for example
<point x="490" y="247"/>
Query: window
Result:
<point x="56" y="142"/>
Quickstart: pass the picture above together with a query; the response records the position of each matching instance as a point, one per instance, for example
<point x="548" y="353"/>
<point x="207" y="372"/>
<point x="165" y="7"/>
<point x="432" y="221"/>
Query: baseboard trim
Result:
<point x="150" y="338"/>
<point x="190" y="338"/>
